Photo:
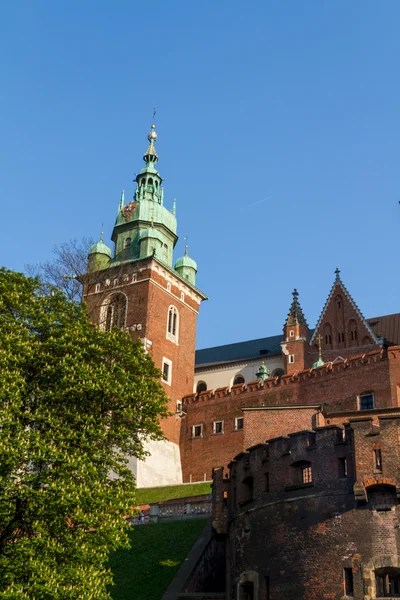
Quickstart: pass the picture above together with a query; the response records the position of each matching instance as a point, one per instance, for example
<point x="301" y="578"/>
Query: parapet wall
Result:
<point x="313" y="512"/>
<point x="335" y="388"/>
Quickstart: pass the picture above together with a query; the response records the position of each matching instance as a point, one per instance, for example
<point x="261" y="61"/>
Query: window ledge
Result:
<point x="298" y="486"/>
<point x="244" y="502"/>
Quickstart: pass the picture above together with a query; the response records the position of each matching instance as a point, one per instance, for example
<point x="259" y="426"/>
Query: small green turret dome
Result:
<point x="100" y="248"/>
<point x="186" y="261"/>
<point x="318" y="363"/>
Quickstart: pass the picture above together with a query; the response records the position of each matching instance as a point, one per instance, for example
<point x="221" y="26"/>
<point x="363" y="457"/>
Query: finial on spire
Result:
<point x="154" y="114"/>
<point x="295" y="294"/>
<point x="151" y="155"/>
<point x="186" y="244"/>
<point x="101" y="234"/>
<point x="295" y="315"/>
<point x="337" y="273"/>
<point x="174" y="207"/>
<point x="319" y="338"/>
<point x="122" y="201"/>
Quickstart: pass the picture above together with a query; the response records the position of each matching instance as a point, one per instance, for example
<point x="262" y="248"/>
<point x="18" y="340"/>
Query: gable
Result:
<point x="342" y="325"/>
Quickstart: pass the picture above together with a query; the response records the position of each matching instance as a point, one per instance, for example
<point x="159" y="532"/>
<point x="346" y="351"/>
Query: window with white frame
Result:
<point x="168" y="287"/>
<point x="134" y="278"/>
<point x="238" y="423"/>
<point x="166" y="371"/>
<point x="173" y="324"/>
<point x="291" y="333"/>
<point x="291" y="358"/>
<point x="113" y="312"/>
<point x="182" y="297"/>
<point x="197" y="431"/>
<point x="97" y="287"/>
<point x="179" y="406"/>
<point x="218" y="427"/>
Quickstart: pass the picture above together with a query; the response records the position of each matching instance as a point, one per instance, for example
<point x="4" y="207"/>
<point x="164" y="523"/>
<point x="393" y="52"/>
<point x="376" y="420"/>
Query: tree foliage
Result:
<point x="63" y="272"/>
<point x="74" y="403"/>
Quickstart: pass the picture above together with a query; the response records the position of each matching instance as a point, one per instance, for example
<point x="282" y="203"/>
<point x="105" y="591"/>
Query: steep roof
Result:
<point x="260" y="348"/>
<point x="388" y="327"/>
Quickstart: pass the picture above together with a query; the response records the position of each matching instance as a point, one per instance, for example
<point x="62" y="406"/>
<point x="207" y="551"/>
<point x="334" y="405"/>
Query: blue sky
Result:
<point x="278" y="133"/>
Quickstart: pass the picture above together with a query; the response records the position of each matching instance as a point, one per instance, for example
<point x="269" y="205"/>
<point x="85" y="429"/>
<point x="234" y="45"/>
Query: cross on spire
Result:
<point x="337" y="273"/>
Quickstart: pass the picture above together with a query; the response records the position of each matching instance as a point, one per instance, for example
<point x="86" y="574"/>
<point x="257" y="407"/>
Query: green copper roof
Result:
<point x="186" y="261"/>
<point x="100" y="248"/>
<point x="318" y="363"/>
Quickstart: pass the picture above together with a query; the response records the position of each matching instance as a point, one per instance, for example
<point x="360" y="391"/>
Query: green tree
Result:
<point x="74" y="403"/>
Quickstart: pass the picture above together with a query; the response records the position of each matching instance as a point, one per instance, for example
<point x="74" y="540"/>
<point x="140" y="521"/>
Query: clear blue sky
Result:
<point x="278" y="133"/>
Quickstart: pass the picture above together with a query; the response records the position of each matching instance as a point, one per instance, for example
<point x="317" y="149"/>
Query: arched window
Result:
<point x="173" y="324"/>
<point x="278" y="373"/>
<point x="328" y="335"/>
<point x="127" y="242"/>
<point x="113" y="312"/>
<point x="238" y="379"/>
<point x="156" y="182"/>
<point x="201" y="387"/>
<point x="150" y="181"/>
<point x="338" y="302"/>
<point x="353" y="330"/>
<point x="143" y="181"/>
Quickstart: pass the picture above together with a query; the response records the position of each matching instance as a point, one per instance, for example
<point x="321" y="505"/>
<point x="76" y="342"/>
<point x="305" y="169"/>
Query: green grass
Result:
<point x="148" y="495"/>
<point x="157" y="551"/>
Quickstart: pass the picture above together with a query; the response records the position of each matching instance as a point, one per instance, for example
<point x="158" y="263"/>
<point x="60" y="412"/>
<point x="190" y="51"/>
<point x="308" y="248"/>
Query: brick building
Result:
<point x="314" y="514"/>
<point x="261" y="388"/>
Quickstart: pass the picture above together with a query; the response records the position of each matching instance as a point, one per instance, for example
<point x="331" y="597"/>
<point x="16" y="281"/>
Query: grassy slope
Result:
<point x="145" y="571"/>
<point x="148" y="495"/>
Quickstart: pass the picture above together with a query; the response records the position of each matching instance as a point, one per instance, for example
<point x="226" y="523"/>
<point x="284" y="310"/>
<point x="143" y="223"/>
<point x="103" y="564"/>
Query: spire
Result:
<point x="337" y="273"/>
<point x="122" y="201"/>
<point x="174" y="207"/>
<point x="319" y="362"/>
<point x="295" y="316"/>
<point x="151" y="154"/>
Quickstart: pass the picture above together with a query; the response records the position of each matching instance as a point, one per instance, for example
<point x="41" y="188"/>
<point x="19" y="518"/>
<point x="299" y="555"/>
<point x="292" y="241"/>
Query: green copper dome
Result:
<point x="100" y="248"/>
<point x="186" y="261"/>
<point x="318" y="363"/>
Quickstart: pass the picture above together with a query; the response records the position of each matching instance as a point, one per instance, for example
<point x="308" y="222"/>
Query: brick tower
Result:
<point x="138" y="289"/>
<point x="295" y="347"/>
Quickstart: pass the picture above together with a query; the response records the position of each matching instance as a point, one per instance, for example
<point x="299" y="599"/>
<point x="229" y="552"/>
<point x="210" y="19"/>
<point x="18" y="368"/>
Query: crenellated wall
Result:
<point x="314" y="515"/>
<point x="332" y="388"/>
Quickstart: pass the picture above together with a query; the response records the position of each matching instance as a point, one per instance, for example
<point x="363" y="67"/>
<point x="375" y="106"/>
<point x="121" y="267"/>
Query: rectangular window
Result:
<point x="378" y="460"/>
<point x="306" y="474"/>
<point x="97" y="287"/>
<point x="218" y="427"/>
<point x="291" y="333"/>
<point x="266" y="482"/>
<point x="343" y="467"/>
<point x="197" y="431"/>
<point x="367" y="401"/>
<point x="167" y="371"/>
<point x="348" y="581"/>
<point x="238" y="423"/>
<point x="291" y="358"/>
<point x="267" y="595"/>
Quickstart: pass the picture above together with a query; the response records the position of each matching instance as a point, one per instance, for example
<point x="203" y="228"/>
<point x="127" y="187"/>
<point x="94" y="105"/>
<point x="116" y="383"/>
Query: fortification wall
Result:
<point x="336" y="387"/>
<point x="329" y="532"/>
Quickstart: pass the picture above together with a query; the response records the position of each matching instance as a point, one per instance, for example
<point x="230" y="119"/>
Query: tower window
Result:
<point x="367" y="401"/>
<point x="127" y="242"/>
<point x="182" y="297"/>
<point x="150" y="181"/>
<point x="197" y="431"/>
<point x="238" y="379"/>
<point x="166" y="371"/>
<point x="306" y="474"/>
<point x="377" y="460"/>
<point x="113" y="312"/>
<point x="343" y="467"/>
<point x="218" y="427"/>
<point x="348" y="581"/>
<point x="173" y="324"/>
<point x="143" y="181"/>
<point x="291" y="358"/>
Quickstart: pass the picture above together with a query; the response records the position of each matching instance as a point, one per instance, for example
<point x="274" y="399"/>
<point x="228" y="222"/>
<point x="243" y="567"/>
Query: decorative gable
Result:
<point x="342" y="326"/>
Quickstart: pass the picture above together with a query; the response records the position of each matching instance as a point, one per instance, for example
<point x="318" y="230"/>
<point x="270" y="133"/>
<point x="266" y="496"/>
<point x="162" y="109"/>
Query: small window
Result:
<point x="197" y="431"/>
<point x="377" y="460"/>
<point x="201" y="387"/>
<point x="167" y="371"/>
<point x="134" y="278"/>
<point x="291" y="358"/>
<point x="306" y="474"/>
<point x="348" y="581"/>
<point x="218" y="427"/>
<point x="173" y="324"/>
<point x="291" y="333"/>
<point x="115" y="281"/>
<point x="143" y="181"/>
<point x="182" y="297"/>
<point x="238" y="379"/>
<point x="367" y="401"/>
<point x="266" y="482"/>
<point x="150" y="181"/>
<point x="247" y="489"/>
<point x="127" y="242"/>
<point x="179" y="406"/>
<point x="97" y="289"/>
<point x="238" y="423"/>
<point x="168" y="287"/>
<point x="343" y="467"/>
<point x="387" y="583"/>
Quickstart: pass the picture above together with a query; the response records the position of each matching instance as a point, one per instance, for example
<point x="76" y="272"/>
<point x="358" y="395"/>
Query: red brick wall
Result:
<point x="148" y="302"/>
<point x="262" y="424"/>
<point x="336" y="387"/>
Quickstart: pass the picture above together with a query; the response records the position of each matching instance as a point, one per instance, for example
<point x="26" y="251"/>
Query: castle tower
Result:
<point x="295" y="348"/>
<point x="139" y="290"/>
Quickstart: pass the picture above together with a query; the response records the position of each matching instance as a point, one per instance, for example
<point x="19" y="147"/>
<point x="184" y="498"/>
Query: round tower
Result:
<point x="99" y="256"/>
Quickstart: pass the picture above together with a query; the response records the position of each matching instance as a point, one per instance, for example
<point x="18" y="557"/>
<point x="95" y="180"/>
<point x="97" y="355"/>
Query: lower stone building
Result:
<point x="313" y="515"/>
